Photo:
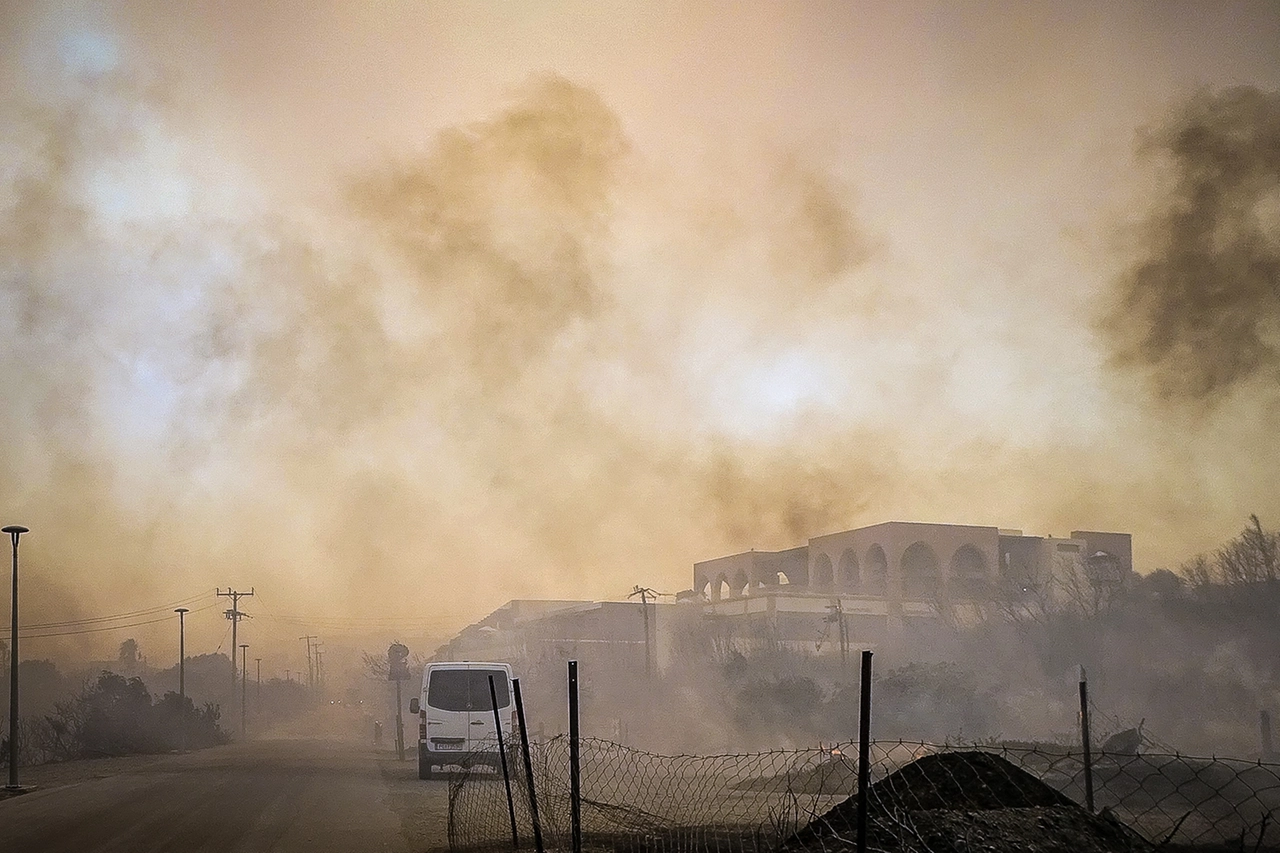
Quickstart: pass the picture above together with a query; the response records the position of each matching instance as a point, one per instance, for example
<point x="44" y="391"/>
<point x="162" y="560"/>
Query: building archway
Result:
<point x="876" y="580"/>
<point x="741" y="586"/>
<point x="721" y="590"/>
<point x="823" y="573"/>
<point x="968" y="572"/>
<point x="921" y="574"/>
<point x="849" y="573"/>
<point x="783" y="580"/>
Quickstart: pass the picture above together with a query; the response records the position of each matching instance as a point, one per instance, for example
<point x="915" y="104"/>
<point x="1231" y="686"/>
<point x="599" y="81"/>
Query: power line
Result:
<point x="356" y="622"/>
<point x="349" y="622"/>
<point x="70" y="623"/>
<point x="100" y="629"/>
<point x="223" y="640"/>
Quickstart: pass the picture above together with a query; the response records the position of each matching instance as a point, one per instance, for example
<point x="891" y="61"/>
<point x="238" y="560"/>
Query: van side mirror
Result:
<point x="413" y="705"/>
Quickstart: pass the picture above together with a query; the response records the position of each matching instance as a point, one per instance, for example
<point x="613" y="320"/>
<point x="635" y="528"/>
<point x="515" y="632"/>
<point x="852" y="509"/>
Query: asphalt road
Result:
<point x="274" y="795"/>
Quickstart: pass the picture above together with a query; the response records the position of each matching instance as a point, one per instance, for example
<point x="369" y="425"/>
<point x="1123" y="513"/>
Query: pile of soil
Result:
<point x="966" y="781"/>
<point x="966" y="801"/>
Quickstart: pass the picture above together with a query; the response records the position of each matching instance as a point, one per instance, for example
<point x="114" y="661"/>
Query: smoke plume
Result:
<point x="1198" y="312"/>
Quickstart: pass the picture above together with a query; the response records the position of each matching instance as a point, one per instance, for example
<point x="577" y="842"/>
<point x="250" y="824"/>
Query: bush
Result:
<point x="115" y="716"/>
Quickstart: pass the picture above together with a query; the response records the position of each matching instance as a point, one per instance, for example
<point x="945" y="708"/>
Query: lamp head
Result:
<point x="181" y="610"/>
<point x="15" y="528"/>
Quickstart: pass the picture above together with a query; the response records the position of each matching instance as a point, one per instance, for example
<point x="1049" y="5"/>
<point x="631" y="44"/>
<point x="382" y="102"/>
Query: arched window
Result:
<point x="875" y="581"/>
<point x="849" y="578"/>
<point x="968" y="571"/>
<point x="921" y="575"/>
<point x="823" y="574"/>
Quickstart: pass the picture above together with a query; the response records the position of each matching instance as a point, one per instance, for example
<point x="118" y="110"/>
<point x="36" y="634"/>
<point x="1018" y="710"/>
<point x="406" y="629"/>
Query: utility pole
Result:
<point x="644" y="593"/>
<point x="235" y="616"/>
<point x="244" y="729"/>
<point x="311" y="669"/>
<point x="320" y="668"/>
<point x="837" y="616"/>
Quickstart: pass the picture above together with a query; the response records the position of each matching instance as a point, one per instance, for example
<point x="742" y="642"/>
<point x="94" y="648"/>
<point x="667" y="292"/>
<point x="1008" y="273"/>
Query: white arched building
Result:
<point x="882" y="577"/>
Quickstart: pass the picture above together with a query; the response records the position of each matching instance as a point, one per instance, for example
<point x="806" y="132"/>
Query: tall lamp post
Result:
<point x="182" y="678"/>
<point x="244" y="656"/>
<point x="14" y="531"/>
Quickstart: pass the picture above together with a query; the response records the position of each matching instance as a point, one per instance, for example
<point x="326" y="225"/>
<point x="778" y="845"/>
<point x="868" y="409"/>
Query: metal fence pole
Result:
<point x="528" y="766"/>
<point x="399" y="725"/>
<point x="1084" y="738"/>
<point x="575" y="769"/>
<point x="502" y="753"/>
<point x="864" y="752"/>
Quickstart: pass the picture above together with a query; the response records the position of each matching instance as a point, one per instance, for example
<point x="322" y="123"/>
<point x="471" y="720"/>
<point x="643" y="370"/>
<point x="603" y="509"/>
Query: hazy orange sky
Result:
<point x="396" y="311"/>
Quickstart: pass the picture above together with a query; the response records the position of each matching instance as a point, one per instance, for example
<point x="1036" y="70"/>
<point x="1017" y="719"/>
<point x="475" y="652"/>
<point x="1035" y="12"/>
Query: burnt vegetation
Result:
<point x="115" y="715"/>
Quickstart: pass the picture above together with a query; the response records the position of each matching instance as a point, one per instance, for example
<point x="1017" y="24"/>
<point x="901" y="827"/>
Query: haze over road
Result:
<point x="275" y="795"/>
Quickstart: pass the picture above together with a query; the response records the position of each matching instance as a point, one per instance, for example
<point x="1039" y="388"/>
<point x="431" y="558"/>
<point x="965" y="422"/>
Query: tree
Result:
<point x="1249" y="558"/>
<point x="129" y="655"/>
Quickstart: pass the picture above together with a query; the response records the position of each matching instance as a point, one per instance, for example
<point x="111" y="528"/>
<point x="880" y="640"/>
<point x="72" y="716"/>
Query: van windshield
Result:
<point x="466" y="689"/>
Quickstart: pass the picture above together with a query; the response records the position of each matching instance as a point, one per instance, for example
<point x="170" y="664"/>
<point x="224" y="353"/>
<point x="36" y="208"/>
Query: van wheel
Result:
<point x="424" y="770"/>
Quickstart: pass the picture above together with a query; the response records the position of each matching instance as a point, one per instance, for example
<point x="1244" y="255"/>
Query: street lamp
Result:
<point x="244" y="653"/>
<point x="182" y="677"/>
<point x="14" y="531"/>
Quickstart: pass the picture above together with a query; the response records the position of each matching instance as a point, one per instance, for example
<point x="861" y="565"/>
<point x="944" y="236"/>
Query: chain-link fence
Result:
<point x="922" y="797"/>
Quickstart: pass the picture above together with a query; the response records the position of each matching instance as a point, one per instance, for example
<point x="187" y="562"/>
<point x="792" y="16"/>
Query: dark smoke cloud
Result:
<point x="1199" y="312"/>
<point x="498" y="222"/>
<point x="816" y="238"/>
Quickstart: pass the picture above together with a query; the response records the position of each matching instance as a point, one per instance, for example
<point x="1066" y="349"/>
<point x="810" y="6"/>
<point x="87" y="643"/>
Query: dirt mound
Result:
<point x="965" y="781"/>
<point x="967" y="800"/>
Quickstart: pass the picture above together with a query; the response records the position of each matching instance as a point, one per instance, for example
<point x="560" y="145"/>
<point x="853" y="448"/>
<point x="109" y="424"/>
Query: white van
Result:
<point x="455" y="714"/>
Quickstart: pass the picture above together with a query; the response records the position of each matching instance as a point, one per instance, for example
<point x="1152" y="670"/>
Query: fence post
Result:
<point x="1084" y="739"/>
<point x="864" y="751"/>
<point x="528" y="766"/>
<point x="399" y="724"/>
<point x="502" y="754"/>
<point x="575" y="769"/>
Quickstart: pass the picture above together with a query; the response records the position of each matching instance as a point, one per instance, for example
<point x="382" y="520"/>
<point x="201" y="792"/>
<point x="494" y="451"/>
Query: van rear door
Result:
<point x="483" y="734"/>
<point x="448" y="707"/>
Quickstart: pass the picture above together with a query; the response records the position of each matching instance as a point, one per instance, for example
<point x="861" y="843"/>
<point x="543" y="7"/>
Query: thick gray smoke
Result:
<point x="400" y="386"/>
<point x="1199" y="312"/>
<point x="518" y="349"/>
